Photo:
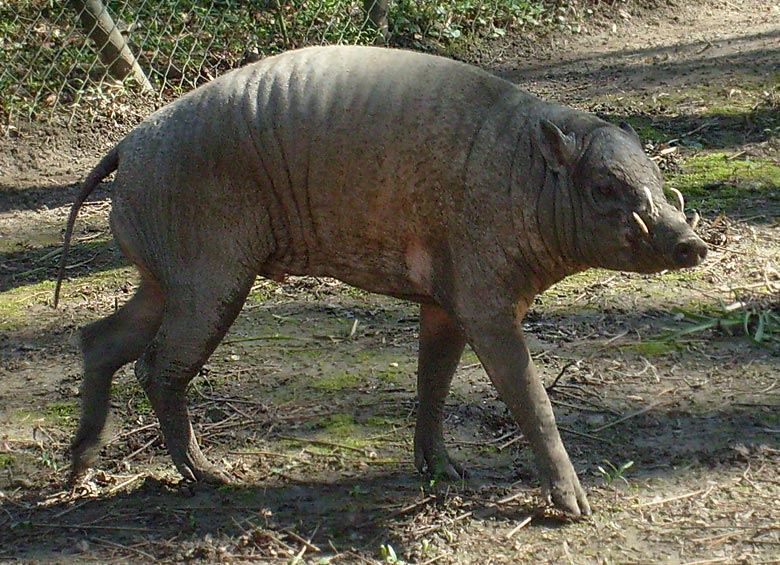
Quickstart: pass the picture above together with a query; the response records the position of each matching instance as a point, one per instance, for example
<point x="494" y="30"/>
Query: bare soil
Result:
<point x="310" y="401"/>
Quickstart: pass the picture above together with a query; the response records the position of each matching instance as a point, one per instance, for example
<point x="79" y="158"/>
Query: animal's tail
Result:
<point x="107" y="165"/>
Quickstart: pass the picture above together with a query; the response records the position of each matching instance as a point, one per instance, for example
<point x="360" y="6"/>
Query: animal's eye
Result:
<point x="602" y="192"/>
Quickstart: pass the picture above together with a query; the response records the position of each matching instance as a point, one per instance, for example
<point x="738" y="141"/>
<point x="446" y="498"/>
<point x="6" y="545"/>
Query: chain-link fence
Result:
<point x="84" y="55"/>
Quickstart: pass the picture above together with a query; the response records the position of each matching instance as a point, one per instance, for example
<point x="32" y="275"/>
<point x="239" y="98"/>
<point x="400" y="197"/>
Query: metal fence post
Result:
<point x="111" y="45"/>
<point x="376" y="10"/>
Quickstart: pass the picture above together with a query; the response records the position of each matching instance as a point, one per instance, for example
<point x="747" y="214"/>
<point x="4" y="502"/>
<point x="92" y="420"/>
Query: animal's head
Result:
<point x="622" y="220"/>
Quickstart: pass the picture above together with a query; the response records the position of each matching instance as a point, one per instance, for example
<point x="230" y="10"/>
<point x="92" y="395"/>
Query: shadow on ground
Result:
<point x="679" y="65"/>
<point x="357" y="511"/>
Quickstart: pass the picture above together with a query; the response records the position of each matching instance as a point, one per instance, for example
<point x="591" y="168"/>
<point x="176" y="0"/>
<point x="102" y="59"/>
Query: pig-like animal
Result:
<point x="397" y="172"/>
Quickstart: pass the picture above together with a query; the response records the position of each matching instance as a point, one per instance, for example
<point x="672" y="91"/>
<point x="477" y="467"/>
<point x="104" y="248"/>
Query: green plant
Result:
<point x="757" y="319"/>
<point x="389" y="555"/>
<point x="49" y="459"/>
<point x="357" y="490"/>
<point x="613" y="473"/>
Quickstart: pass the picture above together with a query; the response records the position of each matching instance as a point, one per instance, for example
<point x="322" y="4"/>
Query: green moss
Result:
<point x="769" y="420"/>
<point x="61" y="410"/>
<point x="394" y="374"/>
<point x="382" y="422"/>
<point x="469" y="357"/>
<point x="339" y="425"/>
<point x="646" y="128"/>
<point x="14" y="303"/>
<point x="130" y="393"/>
<point x="336" y="380"/>
<point x="720" y="179"/>
<point x="6" y="460"/>
<point x="341" y="429"/>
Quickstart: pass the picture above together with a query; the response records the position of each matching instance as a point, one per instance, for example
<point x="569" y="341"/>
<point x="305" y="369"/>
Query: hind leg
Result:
<point x="106" y="345"/>
<point x="196" y="318"/>
<point x="441" y="345"/>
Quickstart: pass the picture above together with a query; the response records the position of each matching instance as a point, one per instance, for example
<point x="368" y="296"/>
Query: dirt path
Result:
<point x="691" y="44"/>
<point x="310" y="400"/>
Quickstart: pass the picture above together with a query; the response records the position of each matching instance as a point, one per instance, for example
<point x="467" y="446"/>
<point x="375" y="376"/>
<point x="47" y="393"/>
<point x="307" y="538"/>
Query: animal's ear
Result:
<point x="558" y="148"/>
<point x="626" y="127"/>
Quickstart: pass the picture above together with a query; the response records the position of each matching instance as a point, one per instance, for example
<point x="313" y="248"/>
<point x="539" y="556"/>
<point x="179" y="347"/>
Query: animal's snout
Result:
<point x="690" y="252"/>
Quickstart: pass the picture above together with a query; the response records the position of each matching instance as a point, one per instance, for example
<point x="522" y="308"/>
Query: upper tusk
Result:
<point x="641" y="222"/>
<point x="695" y="220"/>
<point x="653" y="209"/>
<point x="680" y="199"/>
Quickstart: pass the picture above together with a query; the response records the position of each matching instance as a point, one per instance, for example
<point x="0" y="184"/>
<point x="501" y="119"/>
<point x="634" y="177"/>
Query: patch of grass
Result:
<point x="131" y="395"/>
<point x="651" y="348"/>
<point x="337" y="380"/>
<point x="7" y="460"/>
<point x="646" y="127"/>
<point x="381" y="422"/>
<point x="62" y="411"/>
<point x="342" y="426"/>
<point x="469" y="357"/>
<point x="768" y="420"/>
<point x="394" y="374"/>
<point x="723" y="180"/>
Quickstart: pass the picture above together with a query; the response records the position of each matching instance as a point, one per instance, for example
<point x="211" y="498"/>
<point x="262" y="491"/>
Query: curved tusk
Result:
<point x="641" y="222"/>
<point x="649" y="195"/>
<point x="680" y="199"/>
<point x="695" y="220"/>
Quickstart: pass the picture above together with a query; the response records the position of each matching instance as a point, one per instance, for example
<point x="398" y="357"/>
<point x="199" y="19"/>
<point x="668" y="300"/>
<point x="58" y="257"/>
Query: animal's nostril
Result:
<point x="690" y="252"/>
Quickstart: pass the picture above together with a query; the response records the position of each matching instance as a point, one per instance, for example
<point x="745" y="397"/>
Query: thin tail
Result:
<point x="107" y="165"/>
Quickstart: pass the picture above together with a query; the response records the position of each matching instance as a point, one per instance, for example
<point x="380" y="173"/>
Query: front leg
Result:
<point x="498" y="341"/>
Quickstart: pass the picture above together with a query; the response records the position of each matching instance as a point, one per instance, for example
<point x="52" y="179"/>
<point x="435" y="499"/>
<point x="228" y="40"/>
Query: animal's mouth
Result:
<point x="668" y="246"/>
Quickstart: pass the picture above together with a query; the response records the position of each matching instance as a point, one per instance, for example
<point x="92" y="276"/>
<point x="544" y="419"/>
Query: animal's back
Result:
<point x="321" y="161"/>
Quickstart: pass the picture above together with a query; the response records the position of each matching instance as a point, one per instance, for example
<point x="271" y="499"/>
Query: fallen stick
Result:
<point x="674" y="498"/>
<point x="520" y="526"/>
<point x="639" y="412"/>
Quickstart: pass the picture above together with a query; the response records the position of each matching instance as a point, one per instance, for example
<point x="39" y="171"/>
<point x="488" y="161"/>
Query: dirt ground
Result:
<point x="310" y="401"/>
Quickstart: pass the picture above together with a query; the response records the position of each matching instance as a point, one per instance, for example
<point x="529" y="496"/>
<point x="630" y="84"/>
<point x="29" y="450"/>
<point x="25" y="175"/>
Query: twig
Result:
<point x="511" y="442"/>
<point x="436" y="527"/>
<point x="360" y="450"/>
<point x="434" y="559"/>
<point x="61" y="526"/>
<point x="510" y="497"/>
<point x="414" y="506"/>
<point x="584" y="434"/>
<point x="265" y="338"/>
<point x="698" y="129"/>
<point x="709" y="561"/>
<point x="270" y="454"/>
<point x="71" y="509"/>
<point x="560" y="374"/>
<point x="520" y="526"/>
<point x="306" y="543"/>
<point x="134" y="431"/>
<point x="84" y="262"/>
<point x="123" y="484"/>
<point x="148" y="556"/>
<point x="144" y="447"/>
<point x="639" y="412"/>
<point x="674" y="498"/>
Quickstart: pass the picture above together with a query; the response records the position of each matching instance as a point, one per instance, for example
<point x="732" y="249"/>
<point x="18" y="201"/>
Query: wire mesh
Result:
<point x="51" y="61"/>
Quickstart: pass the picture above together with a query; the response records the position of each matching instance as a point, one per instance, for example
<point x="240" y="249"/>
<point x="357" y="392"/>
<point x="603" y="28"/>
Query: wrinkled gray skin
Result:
<point x="400" y="173"/>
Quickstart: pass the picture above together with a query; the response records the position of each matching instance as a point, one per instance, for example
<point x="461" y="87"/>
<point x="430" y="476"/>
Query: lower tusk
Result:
<point x="641" y="222"/>
<point x="680" y="199"/>
<point x="695" y="220"/>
